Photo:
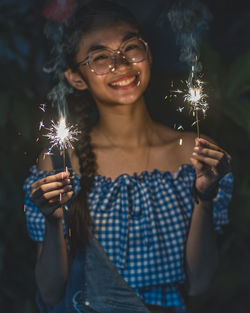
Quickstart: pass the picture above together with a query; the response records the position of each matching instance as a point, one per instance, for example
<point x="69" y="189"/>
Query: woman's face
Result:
<point x="126" y="83"/>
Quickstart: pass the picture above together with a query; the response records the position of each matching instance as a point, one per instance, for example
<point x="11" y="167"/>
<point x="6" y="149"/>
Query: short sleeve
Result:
<point x="187" y="176"/>
<point x="221" y="202"/>
<point x="34" y="218"/>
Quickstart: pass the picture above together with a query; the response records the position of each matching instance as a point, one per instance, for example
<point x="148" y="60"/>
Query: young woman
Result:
<point x="153" y="205"/>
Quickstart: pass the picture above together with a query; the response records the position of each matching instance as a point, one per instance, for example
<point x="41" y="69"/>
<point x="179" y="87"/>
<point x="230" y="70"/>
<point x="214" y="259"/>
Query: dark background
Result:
<point x="225" y="55"/>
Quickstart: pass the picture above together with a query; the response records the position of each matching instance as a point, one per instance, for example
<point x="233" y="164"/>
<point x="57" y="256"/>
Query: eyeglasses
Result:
<point x="103" y="61"/>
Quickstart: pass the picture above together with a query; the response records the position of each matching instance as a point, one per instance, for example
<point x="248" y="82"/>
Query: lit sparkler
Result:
<point x="196" y="98"/>
<point x="193" y="94"/>
<point x="62" y="136"/>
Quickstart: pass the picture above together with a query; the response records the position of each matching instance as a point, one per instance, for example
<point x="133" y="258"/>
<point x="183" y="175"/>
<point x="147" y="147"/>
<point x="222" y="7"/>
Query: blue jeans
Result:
<point x="95" y="286"/>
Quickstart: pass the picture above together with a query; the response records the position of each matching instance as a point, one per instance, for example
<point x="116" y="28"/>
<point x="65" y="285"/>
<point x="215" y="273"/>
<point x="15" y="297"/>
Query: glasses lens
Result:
<point x="100" y="61"/>
<point x="135" y="50"/>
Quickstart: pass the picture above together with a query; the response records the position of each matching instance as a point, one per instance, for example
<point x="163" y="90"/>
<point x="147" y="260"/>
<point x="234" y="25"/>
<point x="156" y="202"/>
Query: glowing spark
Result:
<point x="193" y="93"/>
<point x="181" y="141"/>
<point x="43" y="107"/>
<point x="41" y="125"/>
<point x="196" y="97"/>
<point x="178" y="91"/>
<point x="180" y="128"/>
<point x="180" y="109"/>
<point x="193" y="96"/>
<point x="62" y="136"/>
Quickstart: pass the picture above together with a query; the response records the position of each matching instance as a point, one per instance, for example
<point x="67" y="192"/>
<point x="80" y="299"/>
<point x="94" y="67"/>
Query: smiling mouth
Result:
<point x="125" y="82"/>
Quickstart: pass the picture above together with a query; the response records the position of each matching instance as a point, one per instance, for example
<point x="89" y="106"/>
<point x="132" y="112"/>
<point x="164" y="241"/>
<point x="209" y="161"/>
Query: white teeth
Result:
<point x="124" y="82"/>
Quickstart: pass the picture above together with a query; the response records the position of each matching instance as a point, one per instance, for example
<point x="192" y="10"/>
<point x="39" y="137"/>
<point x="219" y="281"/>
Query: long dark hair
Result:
<point x="93" y="15"/>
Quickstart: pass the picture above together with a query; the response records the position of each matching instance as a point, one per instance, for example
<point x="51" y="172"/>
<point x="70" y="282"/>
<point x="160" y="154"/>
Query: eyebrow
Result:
<point x="127" y="36"/>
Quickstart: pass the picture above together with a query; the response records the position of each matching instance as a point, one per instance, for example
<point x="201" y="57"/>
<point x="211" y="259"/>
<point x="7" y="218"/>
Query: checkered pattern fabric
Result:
<point x="142" y="222"/>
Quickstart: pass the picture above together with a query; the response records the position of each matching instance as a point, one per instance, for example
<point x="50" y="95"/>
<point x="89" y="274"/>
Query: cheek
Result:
<point x="146" y="73"/>
<point x="97" y="87"/>
<point x="93" y="81"/>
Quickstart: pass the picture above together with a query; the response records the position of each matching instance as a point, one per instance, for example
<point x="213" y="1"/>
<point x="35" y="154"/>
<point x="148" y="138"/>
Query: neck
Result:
<point x="125" y="125"/>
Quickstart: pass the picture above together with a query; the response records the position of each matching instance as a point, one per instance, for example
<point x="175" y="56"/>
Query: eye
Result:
<point x="131" y="47"/>
<point x="99" y="58"/>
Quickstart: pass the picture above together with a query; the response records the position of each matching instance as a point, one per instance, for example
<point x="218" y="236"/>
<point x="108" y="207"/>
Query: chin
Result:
<point x="128" y="101"/>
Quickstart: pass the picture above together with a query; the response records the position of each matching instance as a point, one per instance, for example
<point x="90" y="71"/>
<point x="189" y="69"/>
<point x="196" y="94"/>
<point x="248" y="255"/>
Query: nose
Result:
<point x="119" y="62"/>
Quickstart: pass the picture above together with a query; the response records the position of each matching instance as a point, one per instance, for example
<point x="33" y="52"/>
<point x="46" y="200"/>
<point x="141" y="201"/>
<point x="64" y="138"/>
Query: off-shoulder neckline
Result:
<point x="135" y="176"/>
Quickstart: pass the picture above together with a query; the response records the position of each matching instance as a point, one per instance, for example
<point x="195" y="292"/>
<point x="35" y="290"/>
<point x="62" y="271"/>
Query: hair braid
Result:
<point x="79" y="217"/>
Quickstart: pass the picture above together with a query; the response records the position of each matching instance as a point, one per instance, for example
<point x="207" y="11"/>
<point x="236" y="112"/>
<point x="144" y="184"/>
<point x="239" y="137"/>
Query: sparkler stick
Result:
<point x="197" y="123"/>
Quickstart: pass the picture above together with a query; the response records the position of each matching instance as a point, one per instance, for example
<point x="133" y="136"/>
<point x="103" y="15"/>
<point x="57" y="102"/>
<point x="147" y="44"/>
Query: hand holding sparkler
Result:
<point x="211" y="164"/>
<point x="49" y="193"/>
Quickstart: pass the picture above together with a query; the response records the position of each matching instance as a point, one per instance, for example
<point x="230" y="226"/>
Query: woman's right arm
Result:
<point x="51" y="271"/>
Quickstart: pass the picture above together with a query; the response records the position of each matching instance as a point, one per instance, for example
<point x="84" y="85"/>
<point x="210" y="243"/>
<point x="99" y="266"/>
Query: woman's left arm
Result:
<point x="211" y="164"/>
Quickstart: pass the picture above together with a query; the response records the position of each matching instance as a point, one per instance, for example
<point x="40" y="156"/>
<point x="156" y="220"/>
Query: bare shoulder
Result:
<point x="188" y="143"/>
<point x="179" y="144"/>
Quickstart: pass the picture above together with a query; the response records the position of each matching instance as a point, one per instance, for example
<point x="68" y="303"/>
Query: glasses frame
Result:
<point x="116" y="51"/>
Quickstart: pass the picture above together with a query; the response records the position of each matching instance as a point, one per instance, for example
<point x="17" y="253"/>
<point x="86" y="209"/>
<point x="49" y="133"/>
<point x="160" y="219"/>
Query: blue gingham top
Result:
<point x="142" y="222"/>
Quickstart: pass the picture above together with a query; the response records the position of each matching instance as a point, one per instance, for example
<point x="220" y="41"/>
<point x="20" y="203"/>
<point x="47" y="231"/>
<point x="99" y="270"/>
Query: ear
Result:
<point x="75" y="80"/>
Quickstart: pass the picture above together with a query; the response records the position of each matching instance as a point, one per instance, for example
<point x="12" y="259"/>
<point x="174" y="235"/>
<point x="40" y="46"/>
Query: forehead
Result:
<point x="109" y="36"/>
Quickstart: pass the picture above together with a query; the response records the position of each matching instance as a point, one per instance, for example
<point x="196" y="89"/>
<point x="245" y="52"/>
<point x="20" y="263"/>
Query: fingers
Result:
<point x="197" y="164"/>
<point x="55" y="193"/>
<point x="212" y="156"/>
<point x="60" y="177"/>
<point x="50" y="192"/>
<point x="211" y="162"/>
<point x="211" y="153"/>
<point x="56" y="200"/>
<point x="201" y="142"/>
<point x="43" y="189"/>
<point x="48" y="207"/>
